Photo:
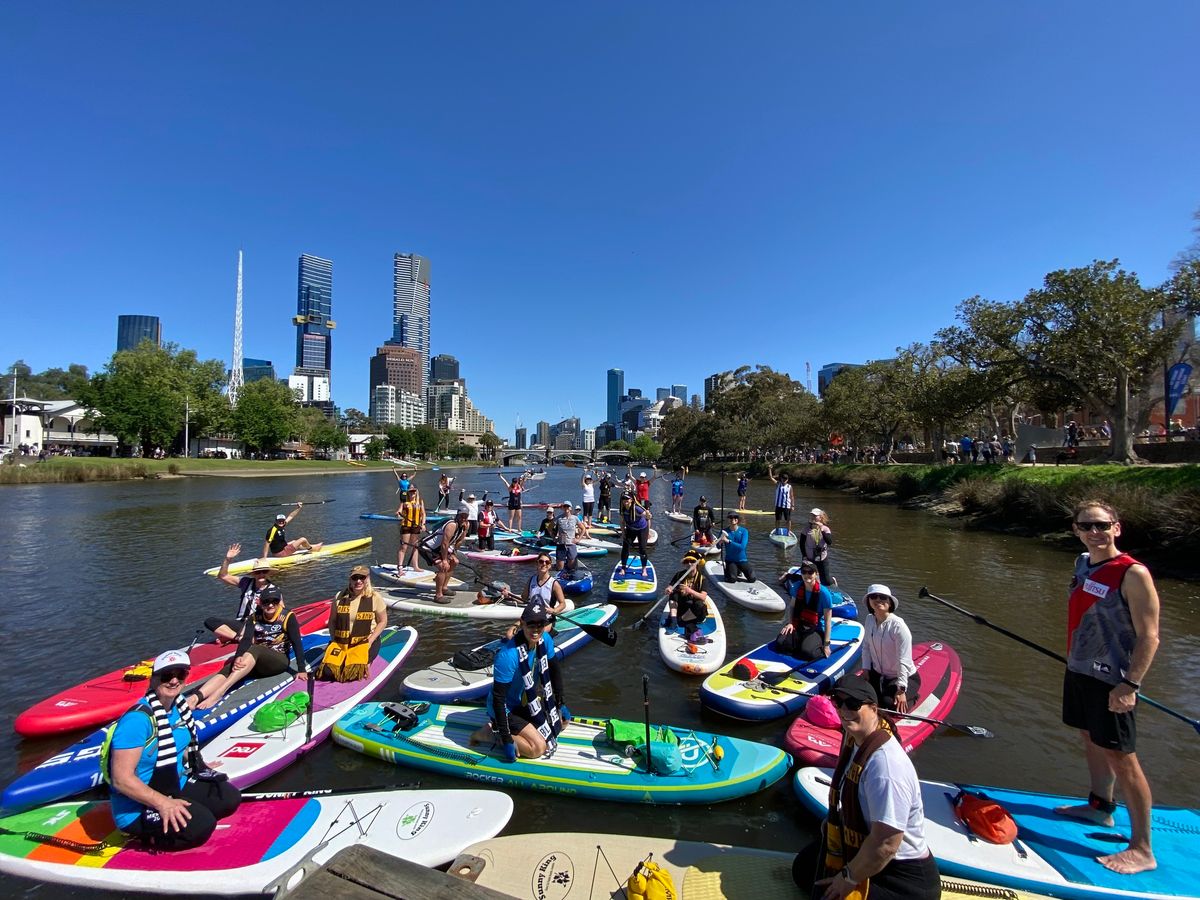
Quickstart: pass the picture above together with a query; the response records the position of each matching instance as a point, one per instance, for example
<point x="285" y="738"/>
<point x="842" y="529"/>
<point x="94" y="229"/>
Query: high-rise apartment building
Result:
<point x="410" y="308"/>
<point x="521" y="439"/>
<point x="391" y="406"/>
<point x="543" y="433"/>
<point x="661" y="394"/>
<point x="450" y="409"/>
<point x="132" y="330"/>
<point x="680" y="391"/>
<point x="314" y="332"/>
<point x="400" y="368"/>
<point x="443" y="367"/>
<point x="713" y="385"/>
<point x="257" y="369"/>
<point x="830" y="371"/>
<point x="616" y="388"/>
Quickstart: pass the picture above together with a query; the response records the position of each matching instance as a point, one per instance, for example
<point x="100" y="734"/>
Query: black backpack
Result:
<point x="472" y="660"/>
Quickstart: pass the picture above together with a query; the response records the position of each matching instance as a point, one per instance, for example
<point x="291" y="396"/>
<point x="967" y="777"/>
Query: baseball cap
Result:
<point x="270" y="594"/>
<point x="816" y="511"/>
<point x="642" y="475"/>
<point x="566" y="503"/>
<point x="281" y="518"/>
<point x="171" y="658"/>
<point x="855" y="687"/>
<point x="734" y="515"/>
<point x="535" y="614"/>
<point x="361" y="570"/>
<point x="470" y="496"/>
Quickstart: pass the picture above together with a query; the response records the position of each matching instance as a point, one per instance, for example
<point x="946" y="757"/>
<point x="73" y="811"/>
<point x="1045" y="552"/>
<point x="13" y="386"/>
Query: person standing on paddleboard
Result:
<point x="636" y="519"/>
<point x="444" y="483"/>
<point x="589" y="496"/>
<point x="1112" y="636"/>
<point x="887" y="652"/>
<point x="249" y="586"/>
<point x="516" y="488"/>
<point x="606" y="486"/>
<point x="736" y="539"/>
<point x="784" y="500"/>
<point x="816" y="541"/>
<point x="677" y="491"/>
<point x="566" y="525"/>
<point x="743" y="486"/>
<point x="486" y="528"/>
<point x="702" y="522"/>
<point x="277" y="544"/>
<point x="412" y="523"/>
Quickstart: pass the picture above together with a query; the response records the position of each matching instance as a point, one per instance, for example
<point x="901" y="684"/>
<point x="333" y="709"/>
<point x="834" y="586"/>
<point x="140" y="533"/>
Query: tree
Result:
<point x="374" y="448"/>
<point x="491" y="443"/>
<point x="52" y="384"/>
<point x="425" y="440"/>
<point x="265" y="415"/>
<point x="617" y="445"/>
<point x="356" y="421"/>
<point x="400" y="441"/>
<point x="763" y="408"/>
<point x="686" y="434"/>
<point x="646" y="448"/>
<point x="325" y="436"/>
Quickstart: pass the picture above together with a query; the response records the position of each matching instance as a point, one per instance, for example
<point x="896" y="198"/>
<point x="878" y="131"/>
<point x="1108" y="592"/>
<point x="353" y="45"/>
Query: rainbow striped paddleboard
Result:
<point x="585" y="763"/>
<point x="242" y="566"/>
<point x="78" y="844"/>
<point x="630" y="586"/>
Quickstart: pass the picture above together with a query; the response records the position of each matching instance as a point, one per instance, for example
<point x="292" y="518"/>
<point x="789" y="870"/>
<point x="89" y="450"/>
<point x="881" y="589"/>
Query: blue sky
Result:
<point x="671" y="189"/>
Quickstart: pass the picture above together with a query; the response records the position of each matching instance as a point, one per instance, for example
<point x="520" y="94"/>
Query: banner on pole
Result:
<point x="1177" y="380"/>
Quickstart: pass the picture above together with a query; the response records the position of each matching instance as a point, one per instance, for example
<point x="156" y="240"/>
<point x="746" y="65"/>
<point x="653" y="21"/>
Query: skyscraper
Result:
<point x="257" y="369"/>
<point x="132" y="330"/>
<point x="443" y="367"/>
<point x="543" y="433"/>
<point x="616" y="388"/>
<point x="410" y="308"/>
<point x="680" y="391"/>
<point x="314" y="326"/>
<point x="400" y="369"/>
<point x="661" y="393"/>
<point x="521" y="438"/>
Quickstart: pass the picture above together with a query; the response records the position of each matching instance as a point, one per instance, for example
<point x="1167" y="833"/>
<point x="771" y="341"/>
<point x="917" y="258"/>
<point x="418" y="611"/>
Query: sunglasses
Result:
<point x="851" y="703"/>
<point x="269" y="602"/>
<point x="175" y="673"/>
<point x="358" y="577"/>
<point x="543" y="562"/>
<point x="1096" y="526"/>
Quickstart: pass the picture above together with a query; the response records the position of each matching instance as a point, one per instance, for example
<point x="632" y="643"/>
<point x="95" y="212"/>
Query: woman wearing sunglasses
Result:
<point x="357" y="617"/>
<point x="875" y="833"/>
<point x="887" y="651"/>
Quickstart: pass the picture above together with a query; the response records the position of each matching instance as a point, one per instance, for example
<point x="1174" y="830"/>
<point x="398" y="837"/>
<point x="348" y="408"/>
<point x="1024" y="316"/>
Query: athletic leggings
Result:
<point x="632" y="534"/>
<point x="267" y="662"/>
<point x="733" y="568"/>
<point x="488" y="541"/>
<point x="907" y="879"/>
<point x="886" y="688"/>
<point x="210" y="801"/>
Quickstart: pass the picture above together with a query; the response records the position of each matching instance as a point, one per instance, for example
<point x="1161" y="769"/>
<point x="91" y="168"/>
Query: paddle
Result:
<point x="646" y="706"/>
<point x="924" y="592"/>
<point x="603" y="633"/>
<point x="264" y="505"/>
<point x="311" y="685"/>
<point x="666" y="594"/>
<point x="325" y="792"/>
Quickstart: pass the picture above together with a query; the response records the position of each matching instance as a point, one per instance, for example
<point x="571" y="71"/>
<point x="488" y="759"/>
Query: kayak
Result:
<point x="755" y="595"/>
<point x="462" y="605"/>
<point x="253" y="848"/>
<point x="243" y="566"/>
<point x="498" y="556"/>
<point x="417" y="579"/>
<point x="630" y="586"/>
<point x="446" y="683"/>
<point x="1052" y="853"/>
<point x="941" y="681"/>
<point x="678" y="517"/>
<point x="725" y="693"/>
<point x="585" y="764"/>
<point x="99" y="701"/>
<point x="248" y="756"/>
<point x="539" y="547"/>
<point x="577" y="582"/>
<point x="783" y="538"/>
<point x="693" y="657"/>
<point x="77" y="768"/>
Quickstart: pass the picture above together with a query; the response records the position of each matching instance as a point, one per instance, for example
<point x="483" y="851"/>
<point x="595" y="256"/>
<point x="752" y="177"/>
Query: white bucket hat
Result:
<point x="885" y="591"/>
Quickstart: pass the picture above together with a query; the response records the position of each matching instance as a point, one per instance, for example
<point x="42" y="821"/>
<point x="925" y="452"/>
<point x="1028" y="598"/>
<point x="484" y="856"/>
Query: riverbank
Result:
<point x="76" y="469"/>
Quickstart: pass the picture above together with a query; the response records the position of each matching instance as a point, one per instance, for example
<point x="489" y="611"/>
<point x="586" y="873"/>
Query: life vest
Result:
<point x="411" y="514"/>
<point x="703" y="517"/>
<point x="847" y="828"/>
<point x="163" y="777"/>
<point x="808" y="604"/>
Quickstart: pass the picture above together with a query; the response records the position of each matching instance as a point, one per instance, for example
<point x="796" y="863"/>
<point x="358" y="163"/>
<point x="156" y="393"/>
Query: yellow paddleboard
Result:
<point x="242" y="566"/>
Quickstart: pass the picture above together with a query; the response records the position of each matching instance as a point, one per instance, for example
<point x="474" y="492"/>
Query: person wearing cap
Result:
<point x="516" y="488"/>
<point x="810" y="623"/>
<point x="412" y="524"/>
<point x="161" y="791"/>
<point x="743" y="486"/>
<point x="526" y="707"/>
<point x="816" y="541"/>
<point x="605" y="491"/>
<point x="444" y="484"/>
<point x="472" y="506"/>
<point x="566" y="525"/>
<point x="357" y="617"/>
<point x="489" y="520"/>
<point x="887" y="652"/>
<point x="636" y="520"/>
<point x="276" y="542"/>
<point x="687" y="601"/>
<point x="268" y="637"/>
<point x="736" y="539"/>
<point x="702" y="522"/>
<point x="785" y="500"/>
<point x="548" y="527"/>
<point x="249" y="587"/>
<point x="643" y="489"/>
<point x="439" y="549"/>
<point x="875" y="832"/>
<point x="589" y="496"/>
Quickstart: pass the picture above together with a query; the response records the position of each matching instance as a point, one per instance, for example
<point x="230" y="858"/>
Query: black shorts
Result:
<point x="514" y="502"/>
<point x="588" y="506"/>
<point x="783" y="512"/>
<point x="516" y="724"/>
<point x="1085" y="706"/>
<point x="410" y="529"/>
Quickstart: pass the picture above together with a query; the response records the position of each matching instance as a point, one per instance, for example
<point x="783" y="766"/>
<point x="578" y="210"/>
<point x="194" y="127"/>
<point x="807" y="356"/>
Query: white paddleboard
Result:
<point x="755" y="595"/>
<point x="461" y="606"/>
<point x="693" y="657"/>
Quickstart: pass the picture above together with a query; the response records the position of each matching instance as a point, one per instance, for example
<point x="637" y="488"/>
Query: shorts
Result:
<point x="288" y="549"/>
<point x="516" y="724"/>
<point x="567" y="553"/>
<point x="741" y="493"/>
<point x="783" y="512"/>
<point x="1085" y="706"/>
<point x="588" y="506"/>
<point x="514" y="502"/>
<point x="410" y="529"/>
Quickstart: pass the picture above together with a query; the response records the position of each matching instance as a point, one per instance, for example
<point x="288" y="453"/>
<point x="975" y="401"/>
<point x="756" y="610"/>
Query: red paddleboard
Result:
<point x="941" y="680"/>
<point x="98" y="701"/>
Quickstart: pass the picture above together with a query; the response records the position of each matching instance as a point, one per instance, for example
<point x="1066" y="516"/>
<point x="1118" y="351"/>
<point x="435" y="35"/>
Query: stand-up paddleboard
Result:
<point x="447" y="683"/>
<point x="753" y="512"/>
<point x="242" y="566"/>
<point x="431" y="519"/>
<point x="844" y="606"/>
<point x="459" y="605"/>
<point x="693" y="657"/>
<point x="248" y="756"/>
<point x="498" y="556"/>
<point x="261" y="842"/>
<point x="705" y="549"/>
<point x="1052" y="853"/>
<point x="417" y="579"/>
<point x="593" y="543"/>
<point x="784" y="538"/>
<point x="678" y="517"/>
<point x="99" y="701"/>
<point x="755" y="595"/>
<point x="77" y="769"/>
<point x="538" y="546"/>
<point x="738" y="698"/>
<point x="585" y="763"/>
<point x="630" y="586"/>
<point x="577" y="582"/>
<point x="651" y="538"/>
<point x="941" y="680"/>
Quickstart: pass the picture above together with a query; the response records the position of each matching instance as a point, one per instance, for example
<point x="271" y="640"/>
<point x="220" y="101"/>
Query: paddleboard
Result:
<point x="705" y="549"/>
<point x="585" y="763"/>
<point x="630" y="586"/>
<point x="461" y="605"/>
<point x="755" y="595"/>
<point x="498" y="556"/>
<point x="941" y="681"/>
<point x="678" y="517"/>
<point x="540" y="546"/>
<point x="261" y="842"/>
<point x="783" y="539"/>
<point x="101" y="700"/>
<point x="651" y="538"/>
<point x="1053" y="854"/>
<point x="725" y="693"/>
<point x="243" y="566"/>
<point x="597" y="542"/>
<point x="248" y="756"/>
<point x="417" y="579"/>
<point x="693" y="657"/>
<point x="446" y="683"/>
<point x="379" y="517"/>
<point x="753" y="512"/>
<point x="575" y="583"/>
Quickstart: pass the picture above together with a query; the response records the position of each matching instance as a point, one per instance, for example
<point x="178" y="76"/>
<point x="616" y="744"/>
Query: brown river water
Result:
<point x="95" y="576"/>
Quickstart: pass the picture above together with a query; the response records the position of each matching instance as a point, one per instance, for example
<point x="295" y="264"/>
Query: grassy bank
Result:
<point x="71" y="469"/>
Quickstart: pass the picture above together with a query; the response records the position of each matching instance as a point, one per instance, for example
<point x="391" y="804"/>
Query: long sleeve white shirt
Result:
<point x="887" y="649"/>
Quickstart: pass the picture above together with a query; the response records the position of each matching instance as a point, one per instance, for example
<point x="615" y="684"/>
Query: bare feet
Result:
<point x="1129" y="861"/>
<point x="1087" y="813"/>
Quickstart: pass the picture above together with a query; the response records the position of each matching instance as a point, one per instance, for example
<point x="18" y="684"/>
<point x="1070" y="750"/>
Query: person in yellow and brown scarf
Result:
<point x="875" y="845"/>
<point x="357" y="617"/>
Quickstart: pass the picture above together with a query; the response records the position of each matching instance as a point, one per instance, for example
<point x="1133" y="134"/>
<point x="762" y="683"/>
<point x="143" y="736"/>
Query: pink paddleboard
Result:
<point x="941" y="680"/>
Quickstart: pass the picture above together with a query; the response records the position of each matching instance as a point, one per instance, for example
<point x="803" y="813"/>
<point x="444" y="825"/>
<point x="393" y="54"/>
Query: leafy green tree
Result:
<point x="646" y="448"/>
<point x="265" y="416"/>
<point x="617" y="445"/>
<point x="425" y="441"/>
<point x="490" y="443"/>
<point x="325" y="436"/>
<point x="462" y="451"/>
<point x="760" y="407"/>
<point x="357" y="422"/>
<point x="686" y="434"/>
<point x="52" y="384"/>
<point x="374" y="448"/>
<point x="400" y="441"/>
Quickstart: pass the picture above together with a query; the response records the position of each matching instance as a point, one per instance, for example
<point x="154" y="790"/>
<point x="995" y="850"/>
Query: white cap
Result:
<point x="816" y="511"/>
<point x="642" y="475"/>
<point x="170" y="659"/>
<point x="882" y="589"/>
<point x="470" y="496"/>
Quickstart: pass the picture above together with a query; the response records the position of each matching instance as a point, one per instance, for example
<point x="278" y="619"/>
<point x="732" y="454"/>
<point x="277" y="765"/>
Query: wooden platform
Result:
<point x="360" y="873"/>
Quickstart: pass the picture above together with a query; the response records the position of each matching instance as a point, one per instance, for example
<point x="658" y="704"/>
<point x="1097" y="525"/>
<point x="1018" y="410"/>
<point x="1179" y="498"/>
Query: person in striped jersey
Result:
<point x="785" y="500"/>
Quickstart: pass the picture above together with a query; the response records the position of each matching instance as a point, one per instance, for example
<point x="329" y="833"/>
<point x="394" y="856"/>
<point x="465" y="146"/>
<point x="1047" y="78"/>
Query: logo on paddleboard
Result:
<point x="553" y="877"/>
<point x="415" y="820"/>
<point x="242" y="750"/>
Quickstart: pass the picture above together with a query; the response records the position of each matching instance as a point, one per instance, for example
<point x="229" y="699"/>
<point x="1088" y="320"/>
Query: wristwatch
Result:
<point x="845" y="873"/>
<point x="1131" y="683"/>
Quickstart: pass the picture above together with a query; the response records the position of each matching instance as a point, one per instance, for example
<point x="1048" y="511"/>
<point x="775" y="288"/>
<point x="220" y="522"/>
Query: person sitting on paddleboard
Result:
<point x="268" y="637"/>
<point x="743" y="486"/>
<point x="636" y="520"/>
<point x="807" y="633"/>
<point x="516" y="488"/>
<point x="526" y="707"/>
<point x="249" y="586"/>
<point x="736" y="539"/>
<point x="702" y="522"/>
<point x="887" y="652"/>
<point x="687" y="604"/>
<point x="162" y="792"/>
<point x="784" y="500"/>
<point x="277" y="544"/>
<point x="412" y="523"/>
<point x="816" y="541"/>
<point x="357" y="617"/>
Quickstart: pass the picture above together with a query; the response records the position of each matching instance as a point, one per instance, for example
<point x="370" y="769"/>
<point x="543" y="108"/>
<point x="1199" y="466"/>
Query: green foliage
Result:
<point x="400" y="441"/>
<point x="617" y="445"/>
<point x="374" y="448"/>
<point x="646" y="448"/>
<point x="425" y="440"/>
<point x="490" y="443"/>
<point x="265" y="416"/>
<point x="357" y="422"/>
<point x="326" y="436"/>
<point x="52" y="384"/>
<point x="461" y="451"/>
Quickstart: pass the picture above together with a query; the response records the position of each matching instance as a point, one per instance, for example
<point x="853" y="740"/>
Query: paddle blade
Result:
<point x="979" y="731"/>
<point x="601" y="633"/>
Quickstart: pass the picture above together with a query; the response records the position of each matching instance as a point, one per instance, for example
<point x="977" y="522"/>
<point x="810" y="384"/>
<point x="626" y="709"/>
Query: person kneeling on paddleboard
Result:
<point x="276" y="542"/>
<point x="887" y="652"/>
<point x="162" y="792"/>
<point x="807" y="634"/>
<point x="526" y="706"/>
<point x="736" y="539"/>
<point x="687" y="603"/>
<point x="357" y="617"/>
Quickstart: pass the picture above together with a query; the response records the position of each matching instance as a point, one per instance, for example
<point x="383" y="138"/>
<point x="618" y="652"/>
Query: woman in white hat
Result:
<point x="887" y="651"/>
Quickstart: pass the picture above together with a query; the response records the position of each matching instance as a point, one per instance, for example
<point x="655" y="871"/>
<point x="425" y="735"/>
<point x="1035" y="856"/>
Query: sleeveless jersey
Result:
<point x="542" y="592"/>
<point x="1100" y="634"/>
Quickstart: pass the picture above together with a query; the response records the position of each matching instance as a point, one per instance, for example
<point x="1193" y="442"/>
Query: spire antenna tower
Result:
<point x="236" y="376"/>
<point x="808" y="371"/>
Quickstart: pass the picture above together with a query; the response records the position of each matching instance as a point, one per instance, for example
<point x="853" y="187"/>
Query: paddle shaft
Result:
<point x="264" y="505"/>
<point x="311" y="685"/>
<point x="325" y="792"/>
<point x="924" y="592"/>
<point x="666" y="595"/>
<point x="646" y="707"/>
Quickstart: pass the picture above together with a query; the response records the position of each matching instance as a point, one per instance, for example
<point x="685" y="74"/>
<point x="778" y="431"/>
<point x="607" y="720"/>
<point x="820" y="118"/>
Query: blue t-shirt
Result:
<point x="677" y="488"/>
<point x="136" y="729"/>
<point x="505" y="669"/>
<point x="405" y="484"/>
<point x="735" y="550"/>
<point x="824" y="598"/>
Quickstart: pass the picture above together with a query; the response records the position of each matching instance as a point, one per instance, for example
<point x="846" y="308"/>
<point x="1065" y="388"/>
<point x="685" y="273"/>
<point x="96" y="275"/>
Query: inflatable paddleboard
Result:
<point x="461" y="605"/>
<point x="498" y="556"/>
<point x="244" y="566"/>
<point x="678" y="517"/>
<point x="725" y="693"/>
<point x="446" y="683"/>
<point x="577" y="582"/>
<point x="261" y="842"/>
<point x="585" y="764"/>
<point x="1052" y="854"/>
<point x="417" y="579"/>
<point x="693" y="657"/>
<point x="540" y="546"/>
<point x="630" y="586"/>
<point x="593" y="543"/>
<point x="783" y="538"/>
<point x="755" y="595"/>
<point x="941" y="681"/>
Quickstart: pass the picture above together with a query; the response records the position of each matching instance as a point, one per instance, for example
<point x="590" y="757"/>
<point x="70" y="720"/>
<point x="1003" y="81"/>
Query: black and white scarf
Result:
<point x="542" y="706"/>
<point x="167" y="751"/>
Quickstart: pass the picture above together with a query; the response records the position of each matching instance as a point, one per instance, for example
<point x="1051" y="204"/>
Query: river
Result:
<point x="96" y="576"/>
